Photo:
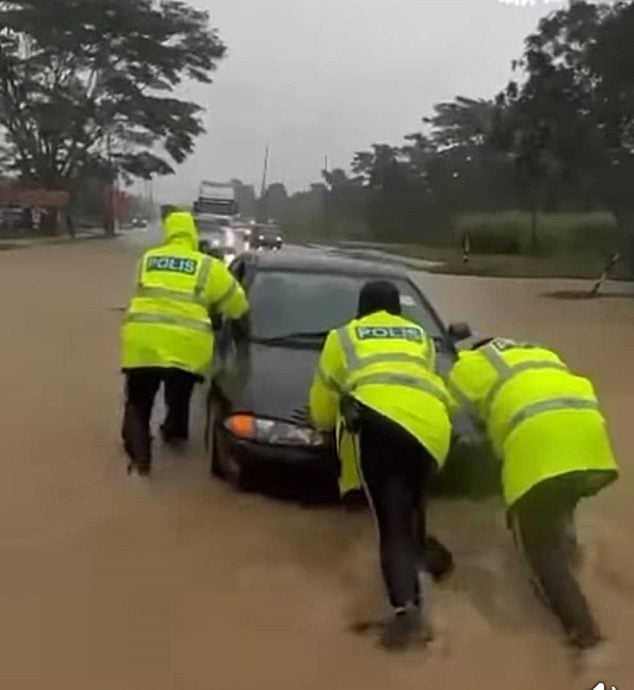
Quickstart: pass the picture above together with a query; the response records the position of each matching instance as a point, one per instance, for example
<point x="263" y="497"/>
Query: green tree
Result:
<point x="91" y="83"/>
<point x="462" y="122"/>
<point x="274" y="202"/>
<point x="576" y="104"/>
<point x="346" y="202"/>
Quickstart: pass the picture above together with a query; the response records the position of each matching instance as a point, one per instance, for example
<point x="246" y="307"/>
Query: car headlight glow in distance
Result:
<point x="273" y="432"/>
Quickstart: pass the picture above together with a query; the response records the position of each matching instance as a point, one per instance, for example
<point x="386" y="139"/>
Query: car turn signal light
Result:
<point x="241" y="425"/>
<point x="272" y="432"/>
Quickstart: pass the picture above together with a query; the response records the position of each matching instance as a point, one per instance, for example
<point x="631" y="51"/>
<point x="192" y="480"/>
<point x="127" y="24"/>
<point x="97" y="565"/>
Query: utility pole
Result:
<point x="265" y="172"/>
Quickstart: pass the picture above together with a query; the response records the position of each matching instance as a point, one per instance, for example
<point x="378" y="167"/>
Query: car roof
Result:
<point x="208" y="216"/>
<point x="321" y="261"/>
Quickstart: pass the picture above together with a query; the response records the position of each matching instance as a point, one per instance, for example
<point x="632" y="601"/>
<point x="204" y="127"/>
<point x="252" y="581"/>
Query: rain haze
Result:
<point x="317" y="78"/>
<point x="153" y="541"/>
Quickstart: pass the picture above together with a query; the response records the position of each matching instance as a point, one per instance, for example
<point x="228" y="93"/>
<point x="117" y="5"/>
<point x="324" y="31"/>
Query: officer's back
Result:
<point x="178" y="288"/>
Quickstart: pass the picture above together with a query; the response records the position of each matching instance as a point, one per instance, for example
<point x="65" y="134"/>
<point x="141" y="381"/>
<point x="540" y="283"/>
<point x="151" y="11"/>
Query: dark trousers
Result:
<point x="396" y="469"/>
<point x="142" y="385"/>
<point x="542" y="518"/>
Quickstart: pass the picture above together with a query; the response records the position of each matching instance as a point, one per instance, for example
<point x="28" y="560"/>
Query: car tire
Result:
<point x="234" y="475"/>
<point x="215" y="466"/>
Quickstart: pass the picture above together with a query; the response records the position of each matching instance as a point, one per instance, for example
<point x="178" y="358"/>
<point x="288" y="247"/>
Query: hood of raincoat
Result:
<point x="180" y="228"/>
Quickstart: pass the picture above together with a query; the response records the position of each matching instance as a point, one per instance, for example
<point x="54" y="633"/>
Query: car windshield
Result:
<point x="289" y="302"/>
<point x="225" y="207"/>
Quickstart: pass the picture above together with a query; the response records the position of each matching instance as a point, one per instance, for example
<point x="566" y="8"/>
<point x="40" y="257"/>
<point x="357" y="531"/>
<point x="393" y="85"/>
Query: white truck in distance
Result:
<point x="217" y="213"/>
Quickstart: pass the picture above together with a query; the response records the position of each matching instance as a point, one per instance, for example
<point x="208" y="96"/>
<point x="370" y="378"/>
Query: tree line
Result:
<point x="559" y="137"/>
<point x="88" y="95"/>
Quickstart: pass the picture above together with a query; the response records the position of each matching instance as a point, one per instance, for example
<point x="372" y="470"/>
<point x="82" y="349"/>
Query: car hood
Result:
<point x="275" y="383"/>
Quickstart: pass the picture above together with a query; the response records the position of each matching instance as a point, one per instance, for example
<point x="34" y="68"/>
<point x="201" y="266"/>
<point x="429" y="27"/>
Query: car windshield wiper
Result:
<point x="441" y="342"/>
<point x="289" y="337"/>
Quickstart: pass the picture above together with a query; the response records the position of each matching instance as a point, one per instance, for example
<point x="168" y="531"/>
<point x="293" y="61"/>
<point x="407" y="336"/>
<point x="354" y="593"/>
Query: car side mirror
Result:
<point x="459" y="332"/>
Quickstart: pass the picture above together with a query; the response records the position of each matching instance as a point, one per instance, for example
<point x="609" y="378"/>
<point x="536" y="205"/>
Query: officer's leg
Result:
<point x="543" y="516"/>
<point x="434" y="557"/>
<point x="141" y="387"/>
<point x="179" y="386"/>
<point x="392" y="490"/>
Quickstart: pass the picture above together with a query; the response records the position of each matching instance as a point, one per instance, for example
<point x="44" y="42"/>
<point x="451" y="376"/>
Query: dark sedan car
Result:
<point x="296" y="298"/>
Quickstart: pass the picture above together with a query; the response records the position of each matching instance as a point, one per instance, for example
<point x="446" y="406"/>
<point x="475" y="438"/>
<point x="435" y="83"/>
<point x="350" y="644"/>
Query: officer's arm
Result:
<point x="325" y="390"/>
<point x="138" y="275"/>
<point x="468" y="383"/>
<point x="225" y="295"/>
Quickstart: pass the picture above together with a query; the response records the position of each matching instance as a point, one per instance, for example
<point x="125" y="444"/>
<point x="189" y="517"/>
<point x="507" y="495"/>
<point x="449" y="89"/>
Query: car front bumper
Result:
<point x="252" y="454"/>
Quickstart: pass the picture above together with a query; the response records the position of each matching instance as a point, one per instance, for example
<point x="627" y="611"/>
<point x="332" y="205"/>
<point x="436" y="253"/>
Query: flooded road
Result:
<point x="110" y="583"/>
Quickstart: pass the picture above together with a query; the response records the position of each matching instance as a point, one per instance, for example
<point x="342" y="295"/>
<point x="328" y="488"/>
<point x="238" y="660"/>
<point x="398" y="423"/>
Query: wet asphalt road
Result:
<point x="111" y="583"/>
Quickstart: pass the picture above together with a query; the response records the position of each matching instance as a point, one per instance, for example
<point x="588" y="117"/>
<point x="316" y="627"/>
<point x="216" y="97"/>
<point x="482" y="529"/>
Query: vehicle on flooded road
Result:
<point x="296" y="298"/>
<point x="216" y="238"/>
<point x="266" y="236"/>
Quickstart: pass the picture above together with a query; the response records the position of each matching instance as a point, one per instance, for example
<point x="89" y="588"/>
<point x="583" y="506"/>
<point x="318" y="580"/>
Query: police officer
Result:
<point x="167" y="334"/>
<point x="545" y="424"/>
<point x="376" y="384"/>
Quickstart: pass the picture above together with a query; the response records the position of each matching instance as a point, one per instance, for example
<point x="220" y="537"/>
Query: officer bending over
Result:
<point x="376" y="385"/>
<point x="545" y="425"/>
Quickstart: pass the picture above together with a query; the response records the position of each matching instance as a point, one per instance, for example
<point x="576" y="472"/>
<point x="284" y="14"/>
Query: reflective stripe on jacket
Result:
<point x="542" y="420"/>
<point x="386" y="363"/>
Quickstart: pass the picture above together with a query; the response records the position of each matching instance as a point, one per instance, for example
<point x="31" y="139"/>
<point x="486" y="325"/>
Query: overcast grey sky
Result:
<point x="331" y="77"/>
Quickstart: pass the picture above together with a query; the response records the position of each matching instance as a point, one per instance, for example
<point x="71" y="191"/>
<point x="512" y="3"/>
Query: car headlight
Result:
<point x="273" y="432"/>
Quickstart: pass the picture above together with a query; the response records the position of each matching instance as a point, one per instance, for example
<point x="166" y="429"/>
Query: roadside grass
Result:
<point x="569" y="245"/>
<point x="450" y="260"/>
<point x="511" y="233"/>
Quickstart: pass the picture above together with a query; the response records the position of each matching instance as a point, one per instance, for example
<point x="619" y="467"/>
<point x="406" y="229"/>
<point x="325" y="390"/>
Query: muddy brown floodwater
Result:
<point x="111" y="584"/>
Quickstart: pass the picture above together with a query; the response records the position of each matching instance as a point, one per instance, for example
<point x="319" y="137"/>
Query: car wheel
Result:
<point x="221" y="466"/>
<point x="216" y="468"/>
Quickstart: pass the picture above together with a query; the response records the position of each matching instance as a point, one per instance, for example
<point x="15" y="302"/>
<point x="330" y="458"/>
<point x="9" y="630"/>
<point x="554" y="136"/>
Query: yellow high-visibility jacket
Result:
<point x="541" y="419"/>
<point x="168" y="322"/>
<point x="388" y="364"/>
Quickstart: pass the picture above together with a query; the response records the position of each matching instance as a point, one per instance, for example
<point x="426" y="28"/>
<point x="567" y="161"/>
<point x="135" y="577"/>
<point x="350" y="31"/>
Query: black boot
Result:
<point x="171" y="438"/>
<point x="137" y="443"/>
<point x="436" y="559"/>
<point x="404" y="629"/>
